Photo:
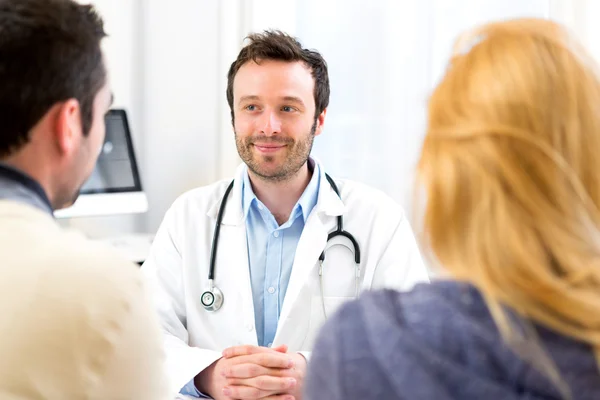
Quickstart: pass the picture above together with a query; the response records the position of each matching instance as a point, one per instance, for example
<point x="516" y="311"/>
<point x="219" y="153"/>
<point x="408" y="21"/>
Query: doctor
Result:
<point x="244" y="330"/>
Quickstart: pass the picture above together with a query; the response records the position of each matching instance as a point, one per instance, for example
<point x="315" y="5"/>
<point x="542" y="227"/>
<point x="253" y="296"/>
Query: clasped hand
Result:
<point x="252" y="373"/>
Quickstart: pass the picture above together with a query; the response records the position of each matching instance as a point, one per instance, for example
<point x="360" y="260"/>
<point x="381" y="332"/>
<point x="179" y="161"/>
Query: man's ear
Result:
<point x="67" y="126"/>
<point x="320" y="122"/>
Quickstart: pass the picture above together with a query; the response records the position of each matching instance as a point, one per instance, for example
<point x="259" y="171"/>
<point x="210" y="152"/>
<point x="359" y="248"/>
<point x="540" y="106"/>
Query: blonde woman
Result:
<point x="511" y="171"/>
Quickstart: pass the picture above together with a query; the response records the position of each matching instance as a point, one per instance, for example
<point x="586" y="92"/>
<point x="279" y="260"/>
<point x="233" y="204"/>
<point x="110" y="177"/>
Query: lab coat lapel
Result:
<point x="234" y="213"/>
<point x="312" y="242"/>
<point x="233" y="265"/>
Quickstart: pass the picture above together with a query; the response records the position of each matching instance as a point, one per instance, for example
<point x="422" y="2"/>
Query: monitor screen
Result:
<point x="116" y="169"/>
<point x="114" y="187"/>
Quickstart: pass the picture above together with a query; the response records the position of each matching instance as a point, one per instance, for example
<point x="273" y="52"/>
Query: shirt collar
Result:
<point x="305" y="204"/>
<point x="18" y="182"/>
<point x="248" y="196"/>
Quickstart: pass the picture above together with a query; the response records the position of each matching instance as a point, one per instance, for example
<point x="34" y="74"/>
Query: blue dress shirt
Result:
<point x="272" y="248"/>
<point x="271" y="252"/>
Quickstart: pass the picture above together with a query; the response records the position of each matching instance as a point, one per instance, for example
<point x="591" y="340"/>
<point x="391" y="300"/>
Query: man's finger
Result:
<point x="251" y="370"/>
<point x="279" y="397"/>
<point x="245" y="350"/>
<point x="266" y="383"/>
<point x="253" y="393"/>
<point x="268" y="360"/>
<point x="245" y="392"/>
<point x="281" y="348"/>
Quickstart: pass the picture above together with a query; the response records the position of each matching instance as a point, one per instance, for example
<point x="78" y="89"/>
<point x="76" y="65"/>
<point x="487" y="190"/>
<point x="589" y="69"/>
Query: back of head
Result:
<point x="510" y="165"/>
<point x="49" y="52"/>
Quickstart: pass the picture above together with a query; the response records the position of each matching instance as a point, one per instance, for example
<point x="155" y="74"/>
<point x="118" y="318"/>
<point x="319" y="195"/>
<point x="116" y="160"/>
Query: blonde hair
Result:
<point x="511" y="171"/>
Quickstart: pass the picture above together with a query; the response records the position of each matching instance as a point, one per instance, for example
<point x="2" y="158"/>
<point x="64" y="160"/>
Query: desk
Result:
<point x="134" y="247"/>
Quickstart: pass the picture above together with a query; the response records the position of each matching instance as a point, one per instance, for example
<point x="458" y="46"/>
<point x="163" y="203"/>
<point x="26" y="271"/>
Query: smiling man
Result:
<point x="242" y="270"/>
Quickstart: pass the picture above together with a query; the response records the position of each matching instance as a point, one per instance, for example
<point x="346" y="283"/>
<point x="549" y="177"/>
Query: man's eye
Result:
<point x="251" y="107"/>
<point x="287" y="109"/>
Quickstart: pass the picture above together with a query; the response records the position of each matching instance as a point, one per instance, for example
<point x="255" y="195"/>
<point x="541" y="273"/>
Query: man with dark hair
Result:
<point x="241" y="307"/>
<point x="75" y="321"/>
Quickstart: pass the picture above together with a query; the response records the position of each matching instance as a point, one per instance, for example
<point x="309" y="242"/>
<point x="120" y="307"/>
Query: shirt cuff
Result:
<point x="306" y="355"/>
<point x="190" y="390"/>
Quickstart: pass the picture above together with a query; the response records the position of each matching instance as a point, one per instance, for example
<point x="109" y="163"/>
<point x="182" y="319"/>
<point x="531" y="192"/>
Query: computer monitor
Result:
<point x="115" y="186"/>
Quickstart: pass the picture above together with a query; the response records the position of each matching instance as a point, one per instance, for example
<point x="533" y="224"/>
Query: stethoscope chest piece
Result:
<point x="212" y="299"/>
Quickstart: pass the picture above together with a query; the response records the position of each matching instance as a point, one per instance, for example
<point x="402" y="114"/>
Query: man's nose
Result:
<point x="270" y="123"/>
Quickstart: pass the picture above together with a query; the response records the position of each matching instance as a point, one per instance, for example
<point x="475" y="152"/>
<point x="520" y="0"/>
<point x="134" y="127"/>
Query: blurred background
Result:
<point x="168" y="62"/>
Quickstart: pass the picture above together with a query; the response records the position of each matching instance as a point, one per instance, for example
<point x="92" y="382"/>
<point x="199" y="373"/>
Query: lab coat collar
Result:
<point x="328" y="202"/>
<point x="234" y="213"/>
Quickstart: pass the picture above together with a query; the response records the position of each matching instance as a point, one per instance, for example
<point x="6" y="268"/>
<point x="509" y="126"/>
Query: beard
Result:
<point x="66" y="197"/>
<point x="264" y="166"/>
<point x="72" y="184"/>
<point x="75" y="196"/>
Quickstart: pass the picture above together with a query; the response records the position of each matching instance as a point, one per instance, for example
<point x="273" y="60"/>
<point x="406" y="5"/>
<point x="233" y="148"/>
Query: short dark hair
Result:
<point x="49" y="52"/>
<point x="277" y="45"/>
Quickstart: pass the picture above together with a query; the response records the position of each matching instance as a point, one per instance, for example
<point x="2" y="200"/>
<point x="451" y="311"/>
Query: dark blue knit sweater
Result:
<point x="436" y="342"/>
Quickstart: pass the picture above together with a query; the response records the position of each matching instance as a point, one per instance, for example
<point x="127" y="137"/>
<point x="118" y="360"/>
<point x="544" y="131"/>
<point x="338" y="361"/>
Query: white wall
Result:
<point x="122" y="52"/>
<point x="168" y="61"/>
<point x="384" y="57"/>
<point x="164" y="59"/>
<point x="182" y="100"/>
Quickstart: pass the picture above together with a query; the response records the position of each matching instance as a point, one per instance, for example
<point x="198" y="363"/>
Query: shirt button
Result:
<point x="276" y="233"/>
<point x="270" y="344"/>
<point x="260" y="207"/>
<point x="271" y="290"/>
<point x="250" y="327"/>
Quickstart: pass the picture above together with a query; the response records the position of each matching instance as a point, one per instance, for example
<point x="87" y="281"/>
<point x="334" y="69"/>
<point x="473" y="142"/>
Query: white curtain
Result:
<point x="168" y="62"/>
<point x="581" y="16"/>
<point x="384" y="57"/>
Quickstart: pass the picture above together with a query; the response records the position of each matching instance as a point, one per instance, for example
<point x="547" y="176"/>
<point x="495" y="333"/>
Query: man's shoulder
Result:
<point x="364" y="197"/>
<point x="362" y="191"/>
<point x="56" y="260"/>
<point x="27" y="232"/>
<point x="74" y="254"/>
<point x="202" y="196"/>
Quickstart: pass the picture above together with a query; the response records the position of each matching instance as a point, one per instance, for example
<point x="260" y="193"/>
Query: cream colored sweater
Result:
<point x="75" y="321"/>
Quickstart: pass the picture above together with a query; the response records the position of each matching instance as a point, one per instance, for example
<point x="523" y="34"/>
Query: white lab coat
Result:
<point x="178" y="265"/>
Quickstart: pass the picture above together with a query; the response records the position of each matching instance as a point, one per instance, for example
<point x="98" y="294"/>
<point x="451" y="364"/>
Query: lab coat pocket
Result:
<point x="321" y="309"/>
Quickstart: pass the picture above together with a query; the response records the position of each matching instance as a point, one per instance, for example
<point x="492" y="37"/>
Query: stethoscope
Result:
<point x="212" y="299"/>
